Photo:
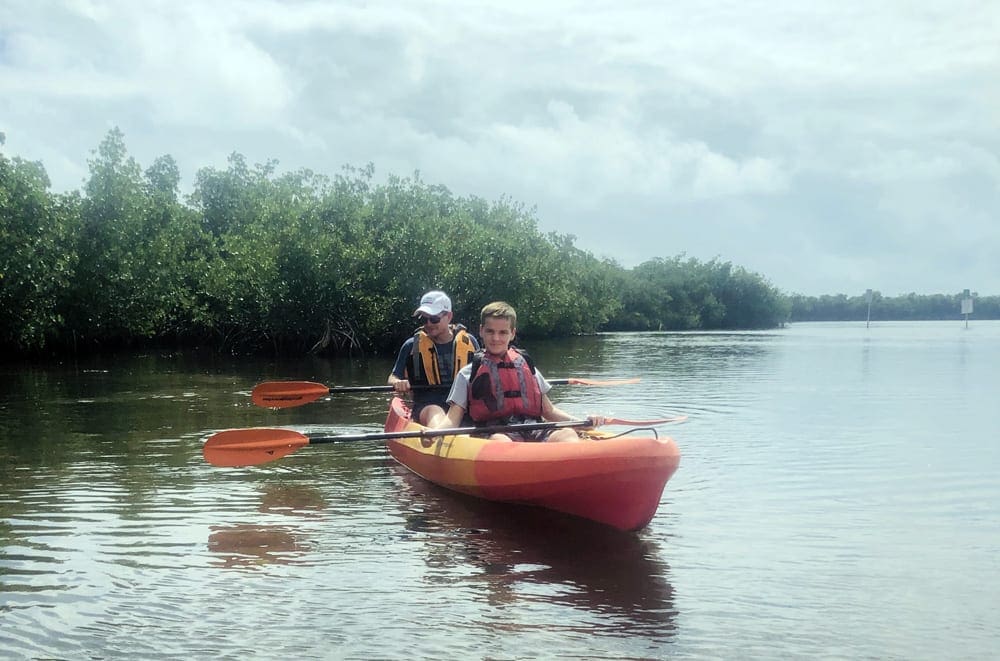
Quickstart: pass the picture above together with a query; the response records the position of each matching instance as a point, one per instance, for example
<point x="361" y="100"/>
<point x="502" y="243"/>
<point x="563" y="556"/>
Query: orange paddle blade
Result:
<point x="249" y="447"/>
<point x="644" y="423"/>
<point x="285" y="394"/>
<point x="591" y="382"/>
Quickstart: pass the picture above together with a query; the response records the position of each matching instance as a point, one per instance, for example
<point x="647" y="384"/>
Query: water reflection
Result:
<point x="255" y="545"/>
<point x="518" y="556"/>
<point x="248" y="545"/>
<point x="292" y="500"/>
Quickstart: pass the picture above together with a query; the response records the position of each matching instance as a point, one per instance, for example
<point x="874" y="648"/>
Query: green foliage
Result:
<point x="257" y="261"/>
<point x="142" y="255"/>
<point x="685" y="294"/>
<point x="37" y="258"/>
<point x="748" y="300"/>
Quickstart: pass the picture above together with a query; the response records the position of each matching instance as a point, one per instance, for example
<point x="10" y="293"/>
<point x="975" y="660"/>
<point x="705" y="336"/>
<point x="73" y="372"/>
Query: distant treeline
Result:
<point x="254" y="261"/>
<point x="883" y="308"/>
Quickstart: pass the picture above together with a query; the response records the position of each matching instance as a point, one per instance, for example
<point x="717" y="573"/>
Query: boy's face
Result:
<point x="496" y="335"/>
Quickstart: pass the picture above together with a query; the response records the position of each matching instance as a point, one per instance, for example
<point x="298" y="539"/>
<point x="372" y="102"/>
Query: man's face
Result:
<point x="437" y="326"/>
<point x="496" y="335"/>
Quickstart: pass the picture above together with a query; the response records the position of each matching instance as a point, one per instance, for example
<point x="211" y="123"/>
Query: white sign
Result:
<point x="966" y="306"/>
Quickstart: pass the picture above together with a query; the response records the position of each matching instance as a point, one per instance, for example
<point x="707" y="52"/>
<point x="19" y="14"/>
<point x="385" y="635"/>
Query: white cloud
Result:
<point x="826" y="145"/>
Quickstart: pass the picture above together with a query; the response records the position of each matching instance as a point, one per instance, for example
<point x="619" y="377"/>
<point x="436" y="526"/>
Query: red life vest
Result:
<point x="503" y="386"/>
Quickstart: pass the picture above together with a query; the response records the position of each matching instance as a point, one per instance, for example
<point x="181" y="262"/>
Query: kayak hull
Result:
<point x="614" y="481"/>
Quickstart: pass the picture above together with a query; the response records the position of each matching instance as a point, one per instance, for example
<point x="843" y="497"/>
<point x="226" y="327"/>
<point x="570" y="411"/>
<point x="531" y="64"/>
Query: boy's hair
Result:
<point x="499" y="310"/>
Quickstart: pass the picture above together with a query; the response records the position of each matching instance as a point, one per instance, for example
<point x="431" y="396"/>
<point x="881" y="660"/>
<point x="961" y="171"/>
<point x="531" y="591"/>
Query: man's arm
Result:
<point x="398" y="374"/>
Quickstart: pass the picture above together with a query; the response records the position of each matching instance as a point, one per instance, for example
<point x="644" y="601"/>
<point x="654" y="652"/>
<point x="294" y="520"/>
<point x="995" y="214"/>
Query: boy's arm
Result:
<point x="553" y="413"/>
<point x="458" y="400"/>
<point x="453" y="418"/>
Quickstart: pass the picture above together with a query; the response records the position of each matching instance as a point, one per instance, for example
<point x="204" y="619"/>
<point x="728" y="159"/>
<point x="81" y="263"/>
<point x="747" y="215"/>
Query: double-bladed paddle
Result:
<point x="286" y="394"/>
<point x="249" y="447"/>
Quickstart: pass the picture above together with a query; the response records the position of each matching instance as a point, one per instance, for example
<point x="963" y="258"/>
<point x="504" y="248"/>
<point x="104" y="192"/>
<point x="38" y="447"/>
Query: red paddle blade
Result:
<point x="286" y="394"/>
<point x="249" y="447"/>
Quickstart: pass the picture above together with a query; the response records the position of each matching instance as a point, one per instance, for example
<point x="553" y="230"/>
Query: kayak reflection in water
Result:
<point x="534" y="559"/>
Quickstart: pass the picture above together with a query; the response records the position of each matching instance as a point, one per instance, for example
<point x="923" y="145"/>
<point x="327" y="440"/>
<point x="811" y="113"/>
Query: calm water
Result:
<point x="838" y="497"/>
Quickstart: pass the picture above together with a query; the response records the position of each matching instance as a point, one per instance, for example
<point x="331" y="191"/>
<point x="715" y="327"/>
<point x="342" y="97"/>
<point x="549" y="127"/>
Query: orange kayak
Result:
<point x="614" y="481"/>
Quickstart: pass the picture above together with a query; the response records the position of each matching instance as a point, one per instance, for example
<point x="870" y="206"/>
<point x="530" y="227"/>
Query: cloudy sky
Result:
<point x="831" y="146"/>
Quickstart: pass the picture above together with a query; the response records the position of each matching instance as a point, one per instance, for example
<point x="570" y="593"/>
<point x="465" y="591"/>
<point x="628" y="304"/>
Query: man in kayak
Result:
<point x="432" y="357"/>
<point x="502" y="386"/>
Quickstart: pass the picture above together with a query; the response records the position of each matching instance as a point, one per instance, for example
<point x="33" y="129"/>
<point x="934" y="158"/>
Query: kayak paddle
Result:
<point x="286" y="394"/>
<point x="259" y="445"/>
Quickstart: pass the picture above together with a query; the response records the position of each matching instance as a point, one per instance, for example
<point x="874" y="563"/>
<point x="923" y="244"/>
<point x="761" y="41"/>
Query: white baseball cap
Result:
<point x="433" y="303"/>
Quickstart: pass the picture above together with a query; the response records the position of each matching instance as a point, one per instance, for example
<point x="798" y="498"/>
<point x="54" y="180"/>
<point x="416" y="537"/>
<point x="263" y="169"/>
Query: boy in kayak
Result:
<point x="432" y="357"/>
<point x="502" y="386"/>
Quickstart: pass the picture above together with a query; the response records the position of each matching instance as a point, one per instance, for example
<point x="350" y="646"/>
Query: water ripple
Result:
<point x="832" y="481"/>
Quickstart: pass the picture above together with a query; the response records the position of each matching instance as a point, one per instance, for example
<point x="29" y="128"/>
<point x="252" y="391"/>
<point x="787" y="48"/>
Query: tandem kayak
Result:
<point x="614" y="481"/>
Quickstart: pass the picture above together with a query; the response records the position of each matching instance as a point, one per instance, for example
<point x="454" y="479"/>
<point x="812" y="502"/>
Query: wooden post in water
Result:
<point x="868" y="297"/>
<point x="966" y="306"/>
